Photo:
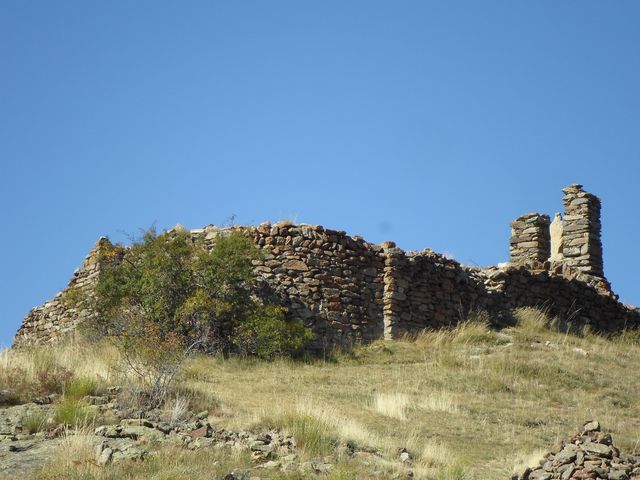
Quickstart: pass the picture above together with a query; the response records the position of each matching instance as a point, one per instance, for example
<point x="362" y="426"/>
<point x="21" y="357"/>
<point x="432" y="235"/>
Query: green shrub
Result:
<point x="168" y="296"/>
<point x="204" y="296"/>
<point x="266" y="333"/>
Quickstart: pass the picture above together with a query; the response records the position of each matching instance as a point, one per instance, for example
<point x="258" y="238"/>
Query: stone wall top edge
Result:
<point x="291" y="229"/>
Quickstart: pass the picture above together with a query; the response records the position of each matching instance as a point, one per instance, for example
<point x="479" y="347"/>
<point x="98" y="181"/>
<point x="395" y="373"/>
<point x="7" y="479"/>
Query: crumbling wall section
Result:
<point x="331" y="281"/>
<point x="70" y="307"/>
<point x="574" y="301"/>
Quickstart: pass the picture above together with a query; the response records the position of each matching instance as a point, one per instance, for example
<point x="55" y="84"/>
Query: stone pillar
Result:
<point x="394" y="294"/>
<point x="556" y="238"/>
<point x="581" y="243"/>
<point x="530" y="239"/>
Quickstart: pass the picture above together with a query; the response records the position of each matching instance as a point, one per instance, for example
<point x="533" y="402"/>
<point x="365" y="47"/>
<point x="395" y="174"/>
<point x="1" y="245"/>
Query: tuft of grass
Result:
<point x="176" y="410"/>
<point x="70" y="411"/>
<point x="435" y="454"/>
<point x="469" y="332"/>
<point x="534" y="320"/>
<point x="79" y="387"/>
<point x="314" y="437"/>
<point x="34" y="422"/>
<point x="453" y="472"/>
<point x="74" y="457"/>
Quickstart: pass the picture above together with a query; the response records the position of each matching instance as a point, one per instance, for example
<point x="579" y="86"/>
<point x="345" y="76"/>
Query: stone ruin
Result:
<point x="349" y="290"/>
<point x="571" y="243"/>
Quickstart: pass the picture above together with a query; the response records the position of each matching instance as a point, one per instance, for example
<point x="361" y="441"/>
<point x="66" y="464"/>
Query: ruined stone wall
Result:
<point x="573" y="300"/>
<point x="331" y="281"/>
<point x="427" y="290"/>
<point x="327" y="279"/>
<point x="348" y="290"/>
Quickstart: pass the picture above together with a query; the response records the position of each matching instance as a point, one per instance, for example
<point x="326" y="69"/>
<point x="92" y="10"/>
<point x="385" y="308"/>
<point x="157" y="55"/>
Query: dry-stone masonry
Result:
<point x="530" y="239"/>
<point x="582" y="247"/>
<point x="349" y="290"/>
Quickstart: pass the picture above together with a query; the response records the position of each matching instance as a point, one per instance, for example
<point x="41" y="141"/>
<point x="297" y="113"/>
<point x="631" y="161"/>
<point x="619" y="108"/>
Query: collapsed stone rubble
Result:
<point x="590" y="454"/>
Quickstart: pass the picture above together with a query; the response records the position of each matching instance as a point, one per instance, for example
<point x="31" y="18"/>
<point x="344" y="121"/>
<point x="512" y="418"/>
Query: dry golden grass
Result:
<point x="47" y="369"/>
<point x="78" y="447"/>
<point x="394" y="405"/>
<point x="438" y="402"/>
<point x="467" y="403"/>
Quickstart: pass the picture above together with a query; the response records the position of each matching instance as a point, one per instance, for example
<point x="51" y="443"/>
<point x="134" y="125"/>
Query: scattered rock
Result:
<point x="592" y="426"/>
<point x="105" y="456"/>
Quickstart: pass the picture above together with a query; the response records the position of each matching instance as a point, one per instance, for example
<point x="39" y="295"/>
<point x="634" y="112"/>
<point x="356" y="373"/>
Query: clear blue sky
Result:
<point x="433" y="124"/>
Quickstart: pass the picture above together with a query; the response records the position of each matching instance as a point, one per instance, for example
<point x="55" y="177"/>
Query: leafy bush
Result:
<point x="266" y="334"/>
<point x="168" y="296"/>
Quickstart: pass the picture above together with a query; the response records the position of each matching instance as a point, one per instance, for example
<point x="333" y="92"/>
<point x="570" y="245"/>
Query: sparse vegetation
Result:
<point x="477" y="403"/>
<point x="78" y="387"/>
<point x="73" y="297"/>
<point x="394" y="405"/>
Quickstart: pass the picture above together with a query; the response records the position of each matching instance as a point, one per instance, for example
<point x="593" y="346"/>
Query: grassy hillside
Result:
<point x="466" y="403"/>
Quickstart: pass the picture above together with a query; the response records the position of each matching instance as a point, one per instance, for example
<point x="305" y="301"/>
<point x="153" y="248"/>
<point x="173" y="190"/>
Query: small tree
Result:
<point x="168" y="296"/>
